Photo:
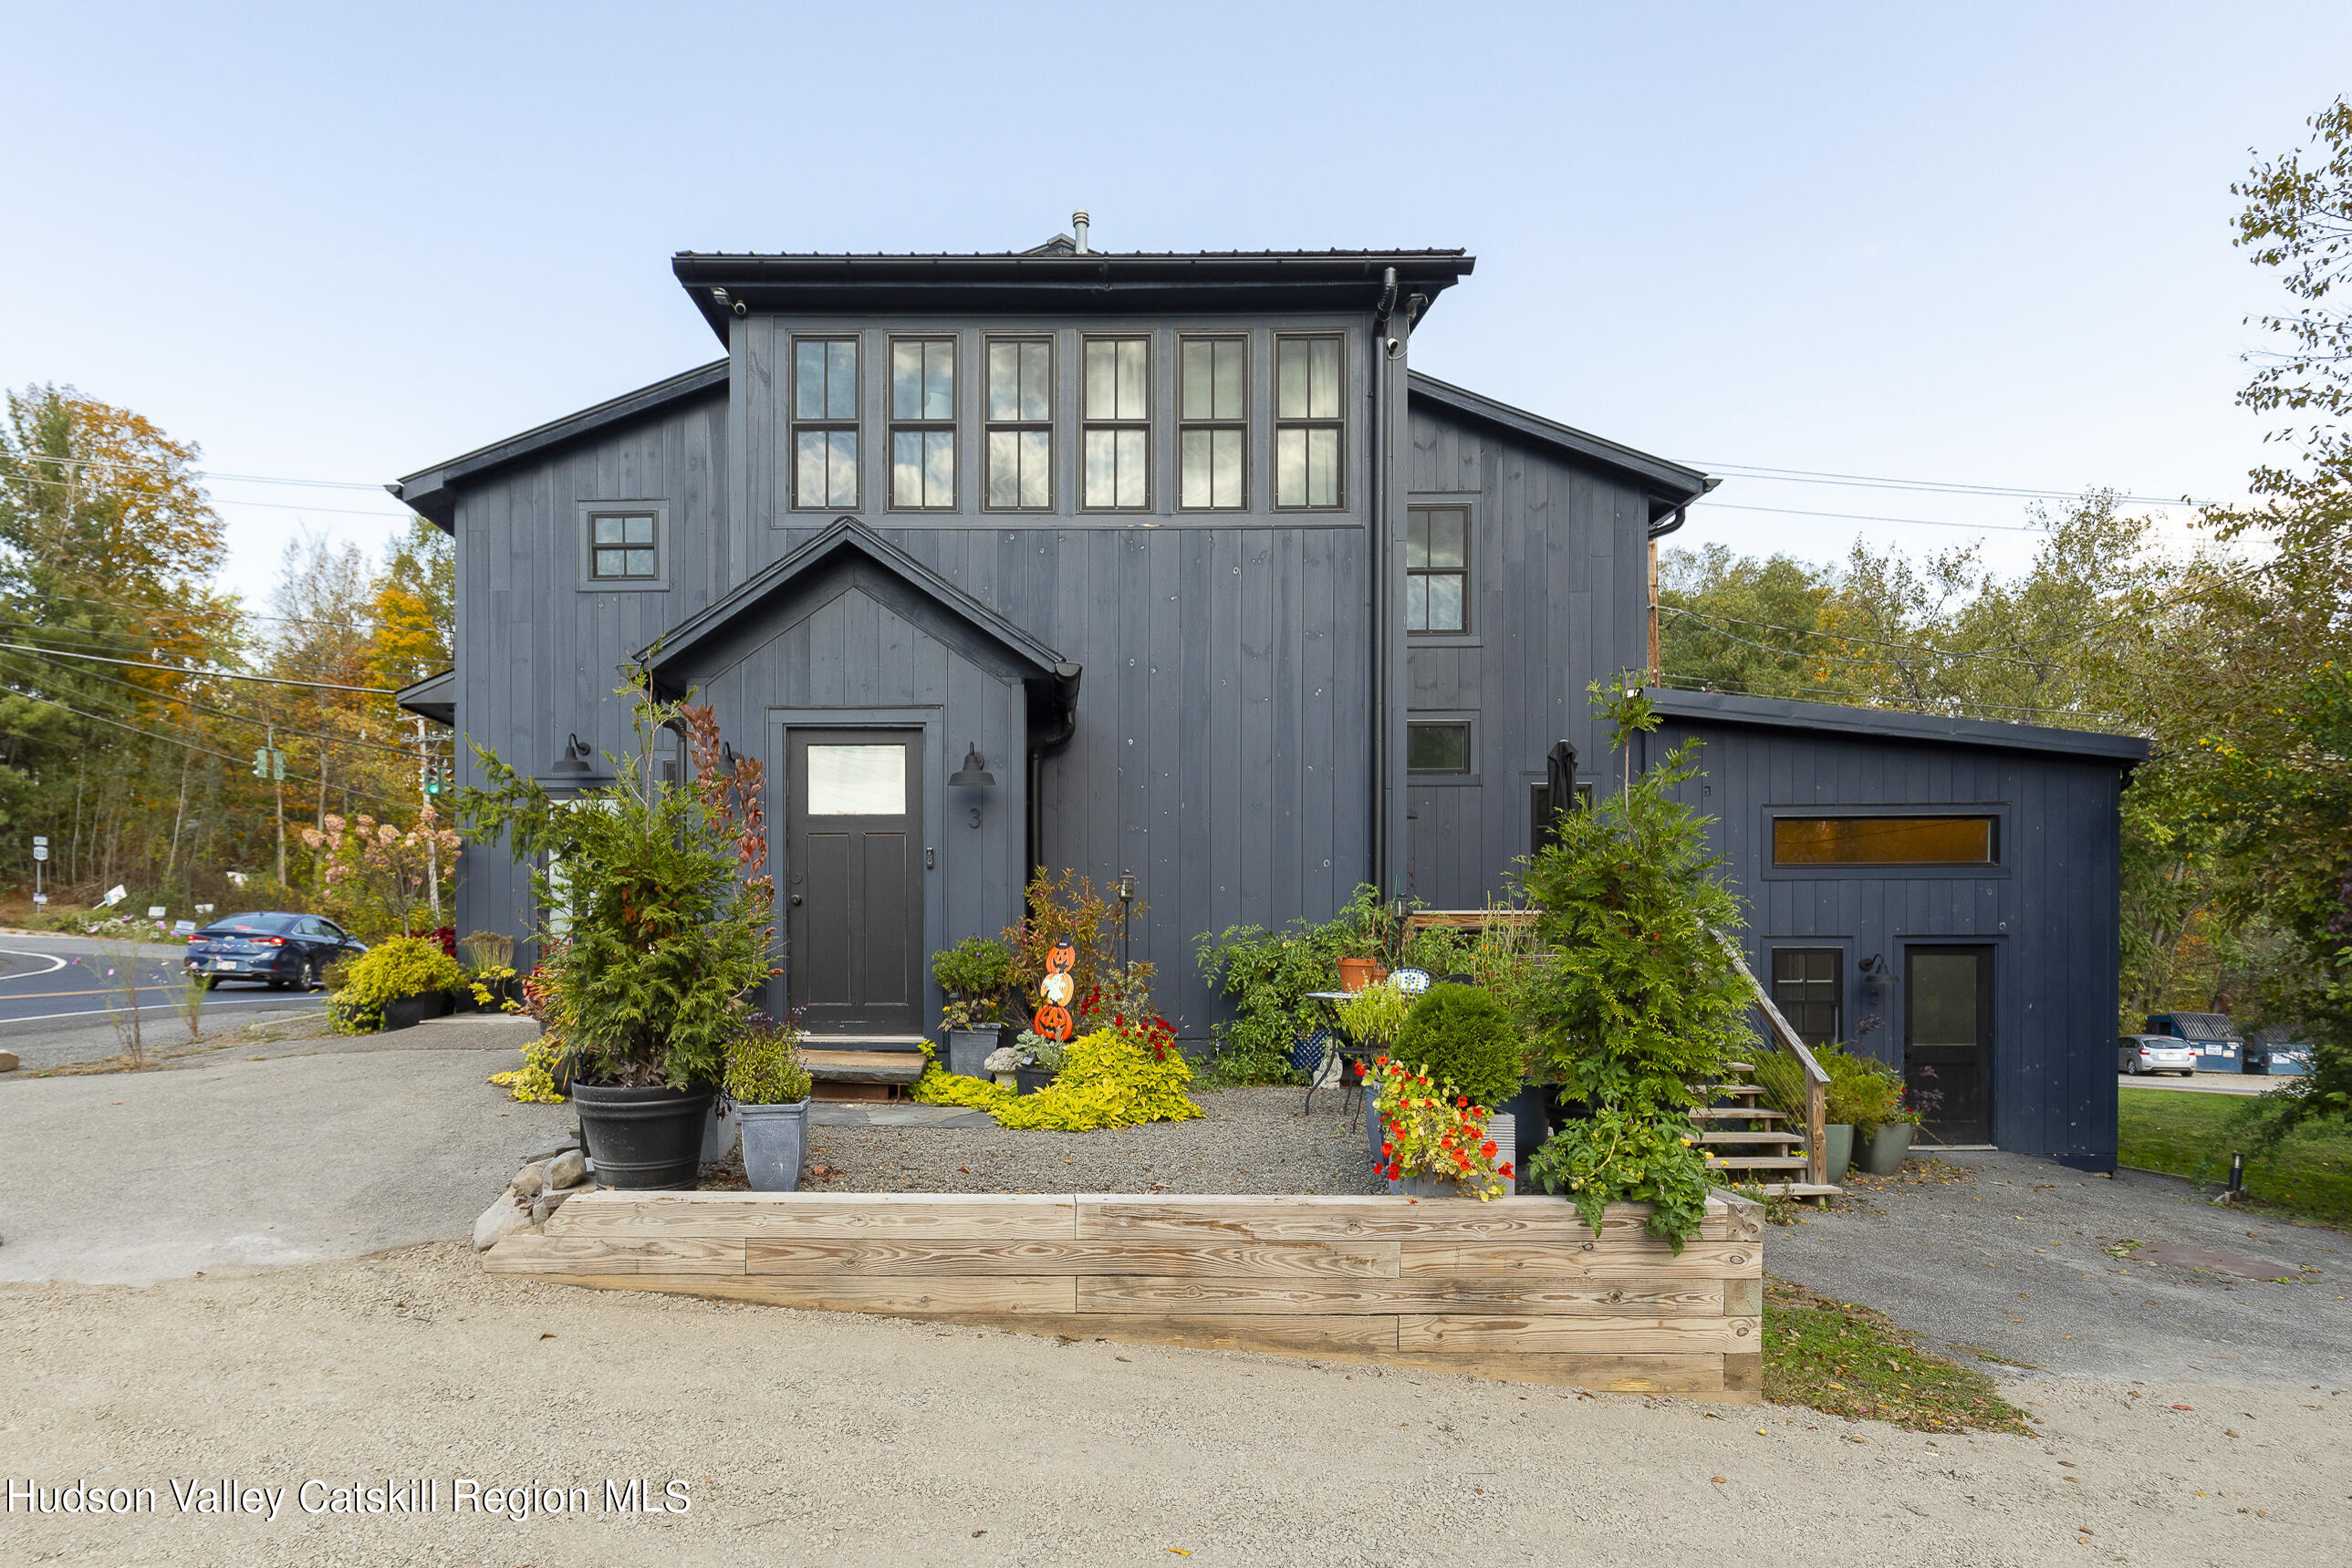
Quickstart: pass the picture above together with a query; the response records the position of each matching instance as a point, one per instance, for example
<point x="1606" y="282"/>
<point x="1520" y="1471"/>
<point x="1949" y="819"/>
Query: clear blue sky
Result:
<point x="1989" y="245"/>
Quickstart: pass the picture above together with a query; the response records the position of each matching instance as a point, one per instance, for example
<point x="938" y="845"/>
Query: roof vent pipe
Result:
<point x="1078" y="221"/>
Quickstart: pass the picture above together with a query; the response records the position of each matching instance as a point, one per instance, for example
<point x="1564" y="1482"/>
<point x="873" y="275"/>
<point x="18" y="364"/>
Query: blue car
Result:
<point x="283" y="951"/>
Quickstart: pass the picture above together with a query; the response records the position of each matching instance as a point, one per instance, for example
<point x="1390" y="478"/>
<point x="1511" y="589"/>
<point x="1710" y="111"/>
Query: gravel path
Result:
<point x="838" y="1441"/>
<point x="1251" y="1140"/>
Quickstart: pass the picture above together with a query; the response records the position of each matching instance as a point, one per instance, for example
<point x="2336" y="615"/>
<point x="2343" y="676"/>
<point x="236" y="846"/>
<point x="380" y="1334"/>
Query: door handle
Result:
<point x="796" y="898"/>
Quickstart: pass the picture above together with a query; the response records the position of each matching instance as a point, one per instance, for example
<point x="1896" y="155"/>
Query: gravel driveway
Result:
<point x="813" y="1438"/>
<point x="2028" y="1261"/>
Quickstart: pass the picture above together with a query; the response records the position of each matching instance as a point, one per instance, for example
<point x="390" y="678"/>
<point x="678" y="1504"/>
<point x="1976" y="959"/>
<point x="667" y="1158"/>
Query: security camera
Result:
<point x="742" y="309"/>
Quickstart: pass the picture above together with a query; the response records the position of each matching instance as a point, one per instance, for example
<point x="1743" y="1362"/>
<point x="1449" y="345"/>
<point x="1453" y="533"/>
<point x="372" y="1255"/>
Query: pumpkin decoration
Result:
<point x="1052" y="1021"/>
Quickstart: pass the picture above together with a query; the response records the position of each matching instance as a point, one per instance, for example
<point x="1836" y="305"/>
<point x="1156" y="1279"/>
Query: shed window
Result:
<point x="1808" y="987"/>
<point x="1437" y="747"/>
<point x="621" y="545"/>
<point x="1212" y="429"/>
<point x="824" y="423"/>
<point x="1885" y="841"/>
<point x="1437" y="569"/>
<point x="1117" y="445"/>
<point x="1543" y="823"/>
<point x="1020" y="424"/>
<point x="922" y="423"/>
<point x="1308" y="426"/>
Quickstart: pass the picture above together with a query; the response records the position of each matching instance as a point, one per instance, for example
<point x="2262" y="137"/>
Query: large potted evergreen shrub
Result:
<point x="1639" y="1004"/>
<point x="659" y="924"/>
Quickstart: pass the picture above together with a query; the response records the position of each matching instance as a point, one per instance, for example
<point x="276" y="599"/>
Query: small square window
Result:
<point x="622" y="547"/>
<point x="1437" y="747"/>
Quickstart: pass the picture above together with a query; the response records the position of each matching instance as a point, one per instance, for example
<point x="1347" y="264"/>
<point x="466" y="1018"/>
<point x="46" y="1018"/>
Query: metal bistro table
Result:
<point x="1336" y="1043"/>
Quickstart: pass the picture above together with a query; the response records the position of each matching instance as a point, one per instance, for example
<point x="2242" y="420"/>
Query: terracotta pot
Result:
<point x="1355" y="973"/>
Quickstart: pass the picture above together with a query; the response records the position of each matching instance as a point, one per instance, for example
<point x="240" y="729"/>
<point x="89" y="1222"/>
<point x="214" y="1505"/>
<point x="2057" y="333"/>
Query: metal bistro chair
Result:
<point x="1313" y="1054"/>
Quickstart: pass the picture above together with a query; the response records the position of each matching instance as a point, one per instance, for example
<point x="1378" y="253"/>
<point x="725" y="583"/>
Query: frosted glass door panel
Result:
<point x="856" y="780"/>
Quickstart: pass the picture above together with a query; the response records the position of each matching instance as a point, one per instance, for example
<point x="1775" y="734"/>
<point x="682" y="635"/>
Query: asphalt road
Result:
<point x="50" y="984"/>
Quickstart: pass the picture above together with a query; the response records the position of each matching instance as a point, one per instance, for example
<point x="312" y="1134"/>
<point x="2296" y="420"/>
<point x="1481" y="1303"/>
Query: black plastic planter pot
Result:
<point x="645" y="1139"/>
<point x="405" y="1013"/>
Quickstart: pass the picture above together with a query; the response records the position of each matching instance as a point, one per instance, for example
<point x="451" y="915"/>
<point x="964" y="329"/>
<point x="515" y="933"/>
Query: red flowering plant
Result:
<point x="1428" y="1130"/>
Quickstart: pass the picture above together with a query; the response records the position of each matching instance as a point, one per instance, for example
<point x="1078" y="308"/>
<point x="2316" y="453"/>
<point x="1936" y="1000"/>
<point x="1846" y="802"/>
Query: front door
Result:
<point x="854" y="879"/>
<point x="1947" y="1041"/>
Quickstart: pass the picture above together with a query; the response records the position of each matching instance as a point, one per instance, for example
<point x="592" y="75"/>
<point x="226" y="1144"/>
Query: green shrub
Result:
<point x="1462" y="1035"/>
<point x="1373" y="1016"/>
<point x="392" y="970"/>
<point x="975" y="973"/>
<point x="763" y="1064"/>
<point x="1629" y="1157"/>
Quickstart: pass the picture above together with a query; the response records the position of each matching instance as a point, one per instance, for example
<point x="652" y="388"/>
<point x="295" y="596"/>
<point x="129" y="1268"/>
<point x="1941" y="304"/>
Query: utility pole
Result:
<point x="270" y="763"/>
<point x="425" y="789"/>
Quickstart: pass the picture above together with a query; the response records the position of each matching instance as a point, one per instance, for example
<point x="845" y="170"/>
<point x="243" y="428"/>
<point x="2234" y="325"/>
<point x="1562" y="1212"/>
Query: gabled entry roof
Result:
<point x="846" y="539"/>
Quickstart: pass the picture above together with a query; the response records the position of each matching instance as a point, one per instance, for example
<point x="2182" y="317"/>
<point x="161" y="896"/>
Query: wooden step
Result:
<point x="1759" y="1162"/>
<point x="1796" y="1188"/>
<point x="1720" y="1137"/>
<point x="1749" y="1090"/>
<point x="892" y="1042"/>
<point x="1755" y="1113"/>
<point x="863" y="1066"/>
<point x="1739" y="1067"/>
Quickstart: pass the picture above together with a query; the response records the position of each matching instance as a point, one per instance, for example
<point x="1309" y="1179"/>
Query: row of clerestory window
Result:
<point x="1116" y="423"/>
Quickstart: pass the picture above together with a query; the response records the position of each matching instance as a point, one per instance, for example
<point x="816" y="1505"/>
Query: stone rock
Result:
<point x="500" y="1221"/>
<point x="548" y="1202"/>
<point x="8" y="1061"/>
<point x="527" y="1181"/>
<point x="569" y="1168"/>
<point x="1004" y="1059"/>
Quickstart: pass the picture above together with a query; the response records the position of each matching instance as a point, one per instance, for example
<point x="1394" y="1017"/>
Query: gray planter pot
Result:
<point x="969" y="1049"/>
<point x="1502" y="1129"/>
<point x="775" y="1139"/>
<point x="1887" y="1148"/>
<point x="1838" y="1145"/>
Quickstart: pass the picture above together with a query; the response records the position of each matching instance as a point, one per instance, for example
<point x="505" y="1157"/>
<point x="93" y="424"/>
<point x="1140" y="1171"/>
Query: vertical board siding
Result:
<point x="2050" y="919"/>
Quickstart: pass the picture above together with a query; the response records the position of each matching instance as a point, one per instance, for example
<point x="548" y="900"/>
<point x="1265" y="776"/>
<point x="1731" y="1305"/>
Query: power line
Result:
<point x="21" y="627"/>
<point x="1942" y="487"/>
<point x="191" y="746"/>
<point x="210" y="499"/>
<point x="206" y="674"/>
<point x="31" y="457"/>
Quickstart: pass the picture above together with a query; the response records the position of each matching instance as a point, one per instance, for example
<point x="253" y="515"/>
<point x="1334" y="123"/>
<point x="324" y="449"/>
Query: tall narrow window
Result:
<point x="1307" y="425"/>
<point x="1117" y="425"/>
<point x="1437" y="569"/>
<point x="1808" y="989"/>
<point x="824" y="423"/>
<point x="1212" y="423"/>
<point x="1020" y="424"/>
<point x="922" y="423"/>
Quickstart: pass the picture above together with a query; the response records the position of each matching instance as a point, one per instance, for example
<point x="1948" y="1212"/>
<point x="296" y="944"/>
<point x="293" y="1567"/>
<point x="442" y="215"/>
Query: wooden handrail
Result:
<point x="1817" y="1153"/>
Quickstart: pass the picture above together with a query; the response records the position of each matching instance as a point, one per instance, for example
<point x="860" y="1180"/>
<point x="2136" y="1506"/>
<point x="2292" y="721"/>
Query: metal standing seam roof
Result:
<point x="1725" y="707"/>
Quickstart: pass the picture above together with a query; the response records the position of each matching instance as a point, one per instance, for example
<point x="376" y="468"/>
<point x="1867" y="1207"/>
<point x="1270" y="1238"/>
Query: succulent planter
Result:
<point x="1888" y="1146"/>
<point x="775" y="1141"/>
<point x="1355" y="973"/>
<point x="969" y="1049"/>
<point x="1837" y="1144"/>
<point x="645" y="1139"/>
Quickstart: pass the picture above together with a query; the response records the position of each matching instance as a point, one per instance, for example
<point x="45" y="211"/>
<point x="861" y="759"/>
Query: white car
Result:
<point x="2138" y="1054"/>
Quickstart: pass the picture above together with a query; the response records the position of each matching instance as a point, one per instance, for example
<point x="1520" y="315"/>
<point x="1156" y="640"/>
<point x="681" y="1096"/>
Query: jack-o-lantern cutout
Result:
<point x="1053" y="1020"/>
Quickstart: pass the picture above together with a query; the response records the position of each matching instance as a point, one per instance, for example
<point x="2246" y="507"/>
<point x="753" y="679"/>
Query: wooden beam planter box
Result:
<point x="1518" y="1289"/>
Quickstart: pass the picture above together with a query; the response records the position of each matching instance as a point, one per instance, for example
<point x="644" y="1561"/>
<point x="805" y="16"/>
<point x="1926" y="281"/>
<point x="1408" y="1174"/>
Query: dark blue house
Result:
<point x="1160" y="563"/>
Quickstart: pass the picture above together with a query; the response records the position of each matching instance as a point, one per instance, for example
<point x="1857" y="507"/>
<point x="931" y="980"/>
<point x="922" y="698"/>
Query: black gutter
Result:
<point x="1063" y="691"/>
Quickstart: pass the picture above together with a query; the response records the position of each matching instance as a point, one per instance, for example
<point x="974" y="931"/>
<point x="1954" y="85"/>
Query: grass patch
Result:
<point x="2309" y="1176"/>
<point x="1847" y="1360"/>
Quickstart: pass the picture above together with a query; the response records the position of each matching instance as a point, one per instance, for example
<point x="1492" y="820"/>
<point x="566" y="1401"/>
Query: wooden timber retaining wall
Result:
<point x="1518" y="1289"/>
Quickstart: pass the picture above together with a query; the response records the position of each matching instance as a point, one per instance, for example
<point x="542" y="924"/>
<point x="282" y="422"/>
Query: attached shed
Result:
<point x="1940" y="894"/>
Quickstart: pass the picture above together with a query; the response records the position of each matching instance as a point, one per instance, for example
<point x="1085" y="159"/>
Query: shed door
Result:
<point x="854" y="879"/>
<point x="1947" y="1040"/>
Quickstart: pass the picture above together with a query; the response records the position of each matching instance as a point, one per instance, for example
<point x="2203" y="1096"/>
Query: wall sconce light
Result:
<point x="726" y="758"/>
<point x="973" y="775"/>
<point x="574" y="760"/>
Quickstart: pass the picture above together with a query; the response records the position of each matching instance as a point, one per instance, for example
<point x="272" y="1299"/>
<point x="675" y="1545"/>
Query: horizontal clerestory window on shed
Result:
<point x="1887" y="840"/>
<point x="1117" y="419"/>
<point x="824" y="423"/>
<point x="923" y="424"/>
<point x="1020" y="424"/>
<point x="1307" y="424"/>
<point x="1212" y="423"/>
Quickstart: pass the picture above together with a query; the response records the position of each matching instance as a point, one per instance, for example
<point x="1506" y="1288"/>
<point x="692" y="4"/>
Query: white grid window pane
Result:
<point x="841" y="468"/>
<point x="1416" y="604"/>
<point x="1290" y="467"/>
<point x="809" y="464"/>
<point x="1133" y="466"/>
<point x="1444" y="602"/>
<point x="1036" y="467"/>
<point x="1102" y="468"/>
<point x="841" y="379"/>
<point x="1116" y="382"/>
<point x="1322" y="467"/>
<point x="1323" y="378"/>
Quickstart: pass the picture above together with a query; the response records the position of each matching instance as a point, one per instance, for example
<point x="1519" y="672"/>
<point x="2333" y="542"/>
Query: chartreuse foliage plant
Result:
<point x="1110" y="1078"/>
<point x="659" y="906"/>
<point x="392" y="970"/>
<point x="763" y="1064"/>
<point x="1640" y="1004"/>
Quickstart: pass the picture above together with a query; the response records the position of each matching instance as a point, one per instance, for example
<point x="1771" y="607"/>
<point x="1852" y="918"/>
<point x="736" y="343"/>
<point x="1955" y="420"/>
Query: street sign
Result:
<point x="40" y="852"/>
<point x="183" y="928"/>
<point x="156" y="912"/>
<point x="39" y="898"/>
<point x="204" y="909"/>
<point x="40" y="840"/>
<point x="114" y="895"/>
